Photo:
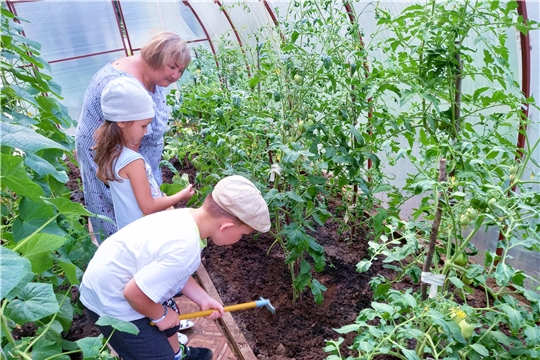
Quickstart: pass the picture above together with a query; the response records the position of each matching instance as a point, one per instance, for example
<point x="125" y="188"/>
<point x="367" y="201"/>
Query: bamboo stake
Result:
<point x="434" y="228"/>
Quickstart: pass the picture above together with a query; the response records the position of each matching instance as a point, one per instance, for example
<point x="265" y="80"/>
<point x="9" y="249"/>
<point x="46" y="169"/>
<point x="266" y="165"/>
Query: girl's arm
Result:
<point x="136" y="173"/>
<point x="193" y="291"/>
<point x="145" y="306"/>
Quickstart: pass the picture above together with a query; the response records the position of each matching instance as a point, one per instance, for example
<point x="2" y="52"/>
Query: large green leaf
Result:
<point x="91" y="346"/>
<point x="32" y="216"/>
<point x="13" y="269"/>
<point x="68" y="207"/>
<point x="120" y="325"/>
<point x="40" y="243"/>
<point x="514" y="316"/>
<point x="29" y="210"/>
<point x="46" y="349"/>
<point x="25" y="139"/>
<point x="70" y="271"/>
<point x="41" y="261"/>
<point x="35" y="302"/>
<point x="13" y="176"/>
<point x="23" y="229"/>
<point x="65" y="315"/>
<point x="20" y="286"/>
<point x="43" y="167"/>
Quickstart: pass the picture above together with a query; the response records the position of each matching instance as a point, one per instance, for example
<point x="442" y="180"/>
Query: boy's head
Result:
<point x="237" y="196"/>
<point x="125" y="99"/>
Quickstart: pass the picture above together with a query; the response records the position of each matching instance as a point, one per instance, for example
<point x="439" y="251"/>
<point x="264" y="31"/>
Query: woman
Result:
<point x="160" y="63"/>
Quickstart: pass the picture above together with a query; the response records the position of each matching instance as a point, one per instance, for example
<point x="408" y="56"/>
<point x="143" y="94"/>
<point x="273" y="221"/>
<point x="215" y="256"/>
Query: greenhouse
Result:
<point x="320" y="179"/>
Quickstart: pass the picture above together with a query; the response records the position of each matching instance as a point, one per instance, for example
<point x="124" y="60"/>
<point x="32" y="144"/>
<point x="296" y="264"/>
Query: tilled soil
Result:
<point x="244" y="272"/>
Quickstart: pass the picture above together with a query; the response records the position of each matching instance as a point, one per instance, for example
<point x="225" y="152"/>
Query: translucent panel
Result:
<point x="68" y="29"/>
<point x="248" y="19"/>
<point x="280" y="8"/>
<point x="74" y="77"/>
<point x="214" y="20"/>
<point x="145" y="19"/>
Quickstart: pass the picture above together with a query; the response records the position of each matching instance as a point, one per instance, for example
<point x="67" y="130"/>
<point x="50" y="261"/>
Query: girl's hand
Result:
<point x="186" y="193"/>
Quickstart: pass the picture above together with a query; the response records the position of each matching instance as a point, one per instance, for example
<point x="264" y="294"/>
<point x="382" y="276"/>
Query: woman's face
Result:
<point x="170" y="73"/>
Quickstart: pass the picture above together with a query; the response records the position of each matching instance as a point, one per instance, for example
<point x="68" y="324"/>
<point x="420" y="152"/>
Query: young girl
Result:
<point x="128" y="110"/>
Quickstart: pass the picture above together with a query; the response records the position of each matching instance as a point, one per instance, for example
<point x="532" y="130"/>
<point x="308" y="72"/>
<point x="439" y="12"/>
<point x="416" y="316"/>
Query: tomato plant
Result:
<point x="477" y="192"/>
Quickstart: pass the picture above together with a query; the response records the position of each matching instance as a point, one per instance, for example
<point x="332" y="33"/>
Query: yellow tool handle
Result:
<point x="192" y="315"/>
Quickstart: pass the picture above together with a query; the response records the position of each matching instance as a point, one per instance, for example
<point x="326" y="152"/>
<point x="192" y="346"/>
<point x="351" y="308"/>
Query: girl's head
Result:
<point x="125" y="99"/>
<point x="128" y="109"/>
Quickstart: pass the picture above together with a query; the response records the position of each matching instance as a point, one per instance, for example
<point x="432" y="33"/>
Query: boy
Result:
<point x="135" y="272"/>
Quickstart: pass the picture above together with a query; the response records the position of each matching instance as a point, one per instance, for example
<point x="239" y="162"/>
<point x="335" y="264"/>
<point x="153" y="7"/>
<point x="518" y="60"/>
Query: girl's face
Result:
<point x="133" y="131"/>
<point x="170" y="73"/>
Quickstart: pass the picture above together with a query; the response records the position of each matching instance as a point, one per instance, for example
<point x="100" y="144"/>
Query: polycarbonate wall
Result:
<point x="79" y="37"/>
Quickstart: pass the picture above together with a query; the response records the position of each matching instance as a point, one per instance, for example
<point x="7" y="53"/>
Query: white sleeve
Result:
<point x="160" y="280"/>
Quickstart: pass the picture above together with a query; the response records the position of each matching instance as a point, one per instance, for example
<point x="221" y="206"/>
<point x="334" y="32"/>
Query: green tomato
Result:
<point x="471" y="214"/>
<point x="462" y="259"/>
<point x="513" y="170"/>
<point x="464" y="220"/>
<point x="466" y="329"/>
<point x="492" y="202"/>
<point x="466" y="280"/>
<point x="298" y="79"/>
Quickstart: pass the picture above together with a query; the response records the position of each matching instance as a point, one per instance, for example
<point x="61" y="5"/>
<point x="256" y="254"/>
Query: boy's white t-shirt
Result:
<point x="160" y="251"/>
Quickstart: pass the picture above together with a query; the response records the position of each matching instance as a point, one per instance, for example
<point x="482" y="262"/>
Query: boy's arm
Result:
<point x="145" y="306"/>
<point x="200" y="297"/>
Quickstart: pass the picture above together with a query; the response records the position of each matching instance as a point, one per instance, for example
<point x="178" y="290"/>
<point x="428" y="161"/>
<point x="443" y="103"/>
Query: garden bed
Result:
<point x="244" y="272"/>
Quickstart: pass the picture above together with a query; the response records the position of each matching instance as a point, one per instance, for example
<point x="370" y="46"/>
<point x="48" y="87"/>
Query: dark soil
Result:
<point x="244" y="272"/>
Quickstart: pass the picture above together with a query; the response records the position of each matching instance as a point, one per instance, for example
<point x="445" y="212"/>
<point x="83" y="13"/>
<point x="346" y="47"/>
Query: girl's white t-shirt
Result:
<point x="126" y="207"/>
<point x="160" y="251"/>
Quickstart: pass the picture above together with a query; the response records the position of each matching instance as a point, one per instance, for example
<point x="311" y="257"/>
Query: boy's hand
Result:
<point x="210" y="303"/>
<point x="199" y="296"/>
<point x="187" y="193"/>
<point x="171" y="320"/>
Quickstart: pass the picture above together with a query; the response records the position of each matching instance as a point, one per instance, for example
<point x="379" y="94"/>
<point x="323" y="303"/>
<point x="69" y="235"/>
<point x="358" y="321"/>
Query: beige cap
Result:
<point x="239" y="197"/>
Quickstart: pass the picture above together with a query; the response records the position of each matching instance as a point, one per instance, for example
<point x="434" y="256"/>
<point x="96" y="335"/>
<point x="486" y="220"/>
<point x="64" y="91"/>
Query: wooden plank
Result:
<point x="237" y="341"/>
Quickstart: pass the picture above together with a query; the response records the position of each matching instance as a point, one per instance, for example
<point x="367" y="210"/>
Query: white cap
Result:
<point x="125" y="99"/>
<point x="239" y="197"/>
